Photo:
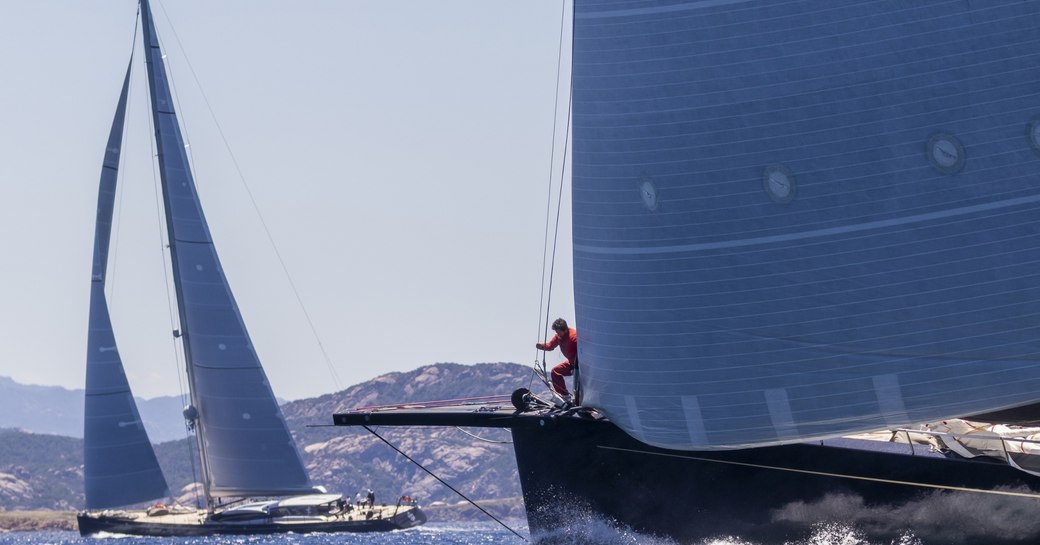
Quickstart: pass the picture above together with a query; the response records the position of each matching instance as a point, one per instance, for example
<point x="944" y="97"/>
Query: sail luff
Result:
<point x="119" y="463"/>
<point x="244" y="441"/>
<point x="160" y="99"/>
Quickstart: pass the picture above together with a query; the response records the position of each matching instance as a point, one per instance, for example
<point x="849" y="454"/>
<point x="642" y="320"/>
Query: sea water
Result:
<point x="582" y="532"/>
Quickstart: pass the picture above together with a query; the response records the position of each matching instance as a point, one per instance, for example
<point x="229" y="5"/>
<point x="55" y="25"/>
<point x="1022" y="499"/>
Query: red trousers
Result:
<point x="564" y="369"/>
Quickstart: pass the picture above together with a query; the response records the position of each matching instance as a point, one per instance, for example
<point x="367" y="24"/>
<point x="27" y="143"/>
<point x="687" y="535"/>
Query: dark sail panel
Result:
<point x="119" y="464"/>
<point x="246" y="445"/>
<point x="803" y="219"/>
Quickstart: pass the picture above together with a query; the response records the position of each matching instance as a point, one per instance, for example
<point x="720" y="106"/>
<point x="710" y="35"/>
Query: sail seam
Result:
<point x="816" y="233"/>
<point x="659" y="9"/>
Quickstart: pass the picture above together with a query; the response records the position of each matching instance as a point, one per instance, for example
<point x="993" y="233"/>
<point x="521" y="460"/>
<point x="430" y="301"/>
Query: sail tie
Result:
<point x="442" y="481"/>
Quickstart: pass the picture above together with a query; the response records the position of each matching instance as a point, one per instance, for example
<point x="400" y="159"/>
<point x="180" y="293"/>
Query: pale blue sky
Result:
<point x="398" y="152"/>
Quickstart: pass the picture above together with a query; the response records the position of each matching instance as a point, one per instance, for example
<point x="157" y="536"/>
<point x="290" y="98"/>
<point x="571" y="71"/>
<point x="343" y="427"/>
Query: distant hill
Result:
<point x="345" y="459"/>
<point x="59" y="411"/>
<point x="43" y="409"/>
<point x="40" y="471"/>
<point x="45" y="471"/>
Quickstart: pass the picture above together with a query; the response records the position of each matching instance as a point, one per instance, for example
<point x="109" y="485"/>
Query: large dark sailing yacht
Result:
<point x="806" y="246"/>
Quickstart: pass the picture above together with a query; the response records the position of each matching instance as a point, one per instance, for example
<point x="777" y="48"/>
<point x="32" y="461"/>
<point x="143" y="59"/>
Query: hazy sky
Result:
<point x="398" y="153"/>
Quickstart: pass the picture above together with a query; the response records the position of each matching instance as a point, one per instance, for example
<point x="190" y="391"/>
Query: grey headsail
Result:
<point x="245" y="444"/>
<point x="119" y="464"/>
<point x="801" y="219"/>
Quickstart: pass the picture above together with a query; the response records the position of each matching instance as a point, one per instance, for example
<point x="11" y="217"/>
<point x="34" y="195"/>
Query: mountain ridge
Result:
<point x="59" y="411"/>
<point x="44" y="471"/>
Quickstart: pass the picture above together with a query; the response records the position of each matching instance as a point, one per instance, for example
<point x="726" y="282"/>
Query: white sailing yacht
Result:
<point x="245" y="447"/>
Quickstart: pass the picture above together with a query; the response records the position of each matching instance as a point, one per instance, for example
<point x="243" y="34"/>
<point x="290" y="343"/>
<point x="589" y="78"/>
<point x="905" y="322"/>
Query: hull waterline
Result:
<point x="576" y="466"/>
<point x="572" y="468"/>
<point x="195" y="523"/>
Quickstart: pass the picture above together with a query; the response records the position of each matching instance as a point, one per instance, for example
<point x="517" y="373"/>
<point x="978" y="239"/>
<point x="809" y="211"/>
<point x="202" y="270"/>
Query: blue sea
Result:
<point x="583" y="533"/>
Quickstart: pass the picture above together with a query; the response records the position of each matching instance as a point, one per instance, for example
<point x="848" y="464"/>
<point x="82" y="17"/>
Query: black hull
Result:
<point x="570" y="467"/>
<point x="121" y="523"/>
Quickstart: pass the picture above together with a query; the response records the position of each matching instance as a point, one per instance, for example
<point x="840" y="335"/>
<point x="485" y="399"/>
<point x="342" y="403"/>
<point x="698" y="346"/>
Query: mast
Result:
<point x="165" y="123"/>
<point x="244" y="444"/>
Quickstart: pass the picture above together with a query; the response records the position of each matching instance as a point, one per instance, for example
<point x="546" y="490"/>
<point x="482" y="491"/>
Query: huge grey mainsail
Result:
<point x="119" y="464"/>
<point x="245" y="445"/>
<point x="806" y="218"/>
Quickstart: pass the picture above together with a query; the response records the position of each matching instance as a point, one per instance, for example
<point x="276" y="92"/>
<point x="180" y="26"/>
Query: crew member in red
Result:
<point x="567" y="339"/>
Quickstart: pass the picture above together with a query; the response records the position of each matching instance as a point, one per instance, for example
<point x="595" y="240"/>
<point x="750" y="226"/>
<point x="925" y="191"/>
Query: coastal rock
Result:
<point x="13" y="489"/>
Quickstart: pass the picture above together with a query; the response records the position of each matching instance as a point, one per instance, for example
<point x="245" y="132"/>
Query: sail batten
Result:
<point x="799" y="220"/>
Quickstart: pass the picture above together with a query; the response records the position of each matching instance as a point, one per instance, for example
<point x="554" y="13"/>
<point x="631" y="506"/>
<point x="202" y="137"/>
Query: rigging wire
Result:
<point x="252" y="200"/>
<point x="477" y="400"/>
<point x="545" y="299"/>
<point x="442" y="481"/>
<point x="111" y="281"/>
<point x="479" y="438"/>
<point x="118" y="212"/>
<point x="172" y="315"/>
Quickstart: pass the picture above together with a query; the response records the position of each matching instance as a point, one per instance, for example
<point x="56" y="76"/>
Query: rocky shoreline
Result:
<point x="37" y="521"/>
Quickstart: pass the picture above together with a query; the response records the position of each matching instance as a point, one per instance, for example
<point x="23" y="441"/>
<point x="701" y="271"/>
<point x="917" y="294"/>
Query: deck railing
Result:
<point x="1022" y="453"/>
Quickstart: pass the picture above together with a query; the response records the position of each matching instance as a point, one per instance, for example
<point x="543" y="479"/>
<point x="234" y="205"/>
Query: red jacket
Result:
<point x="568" y="345"/>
